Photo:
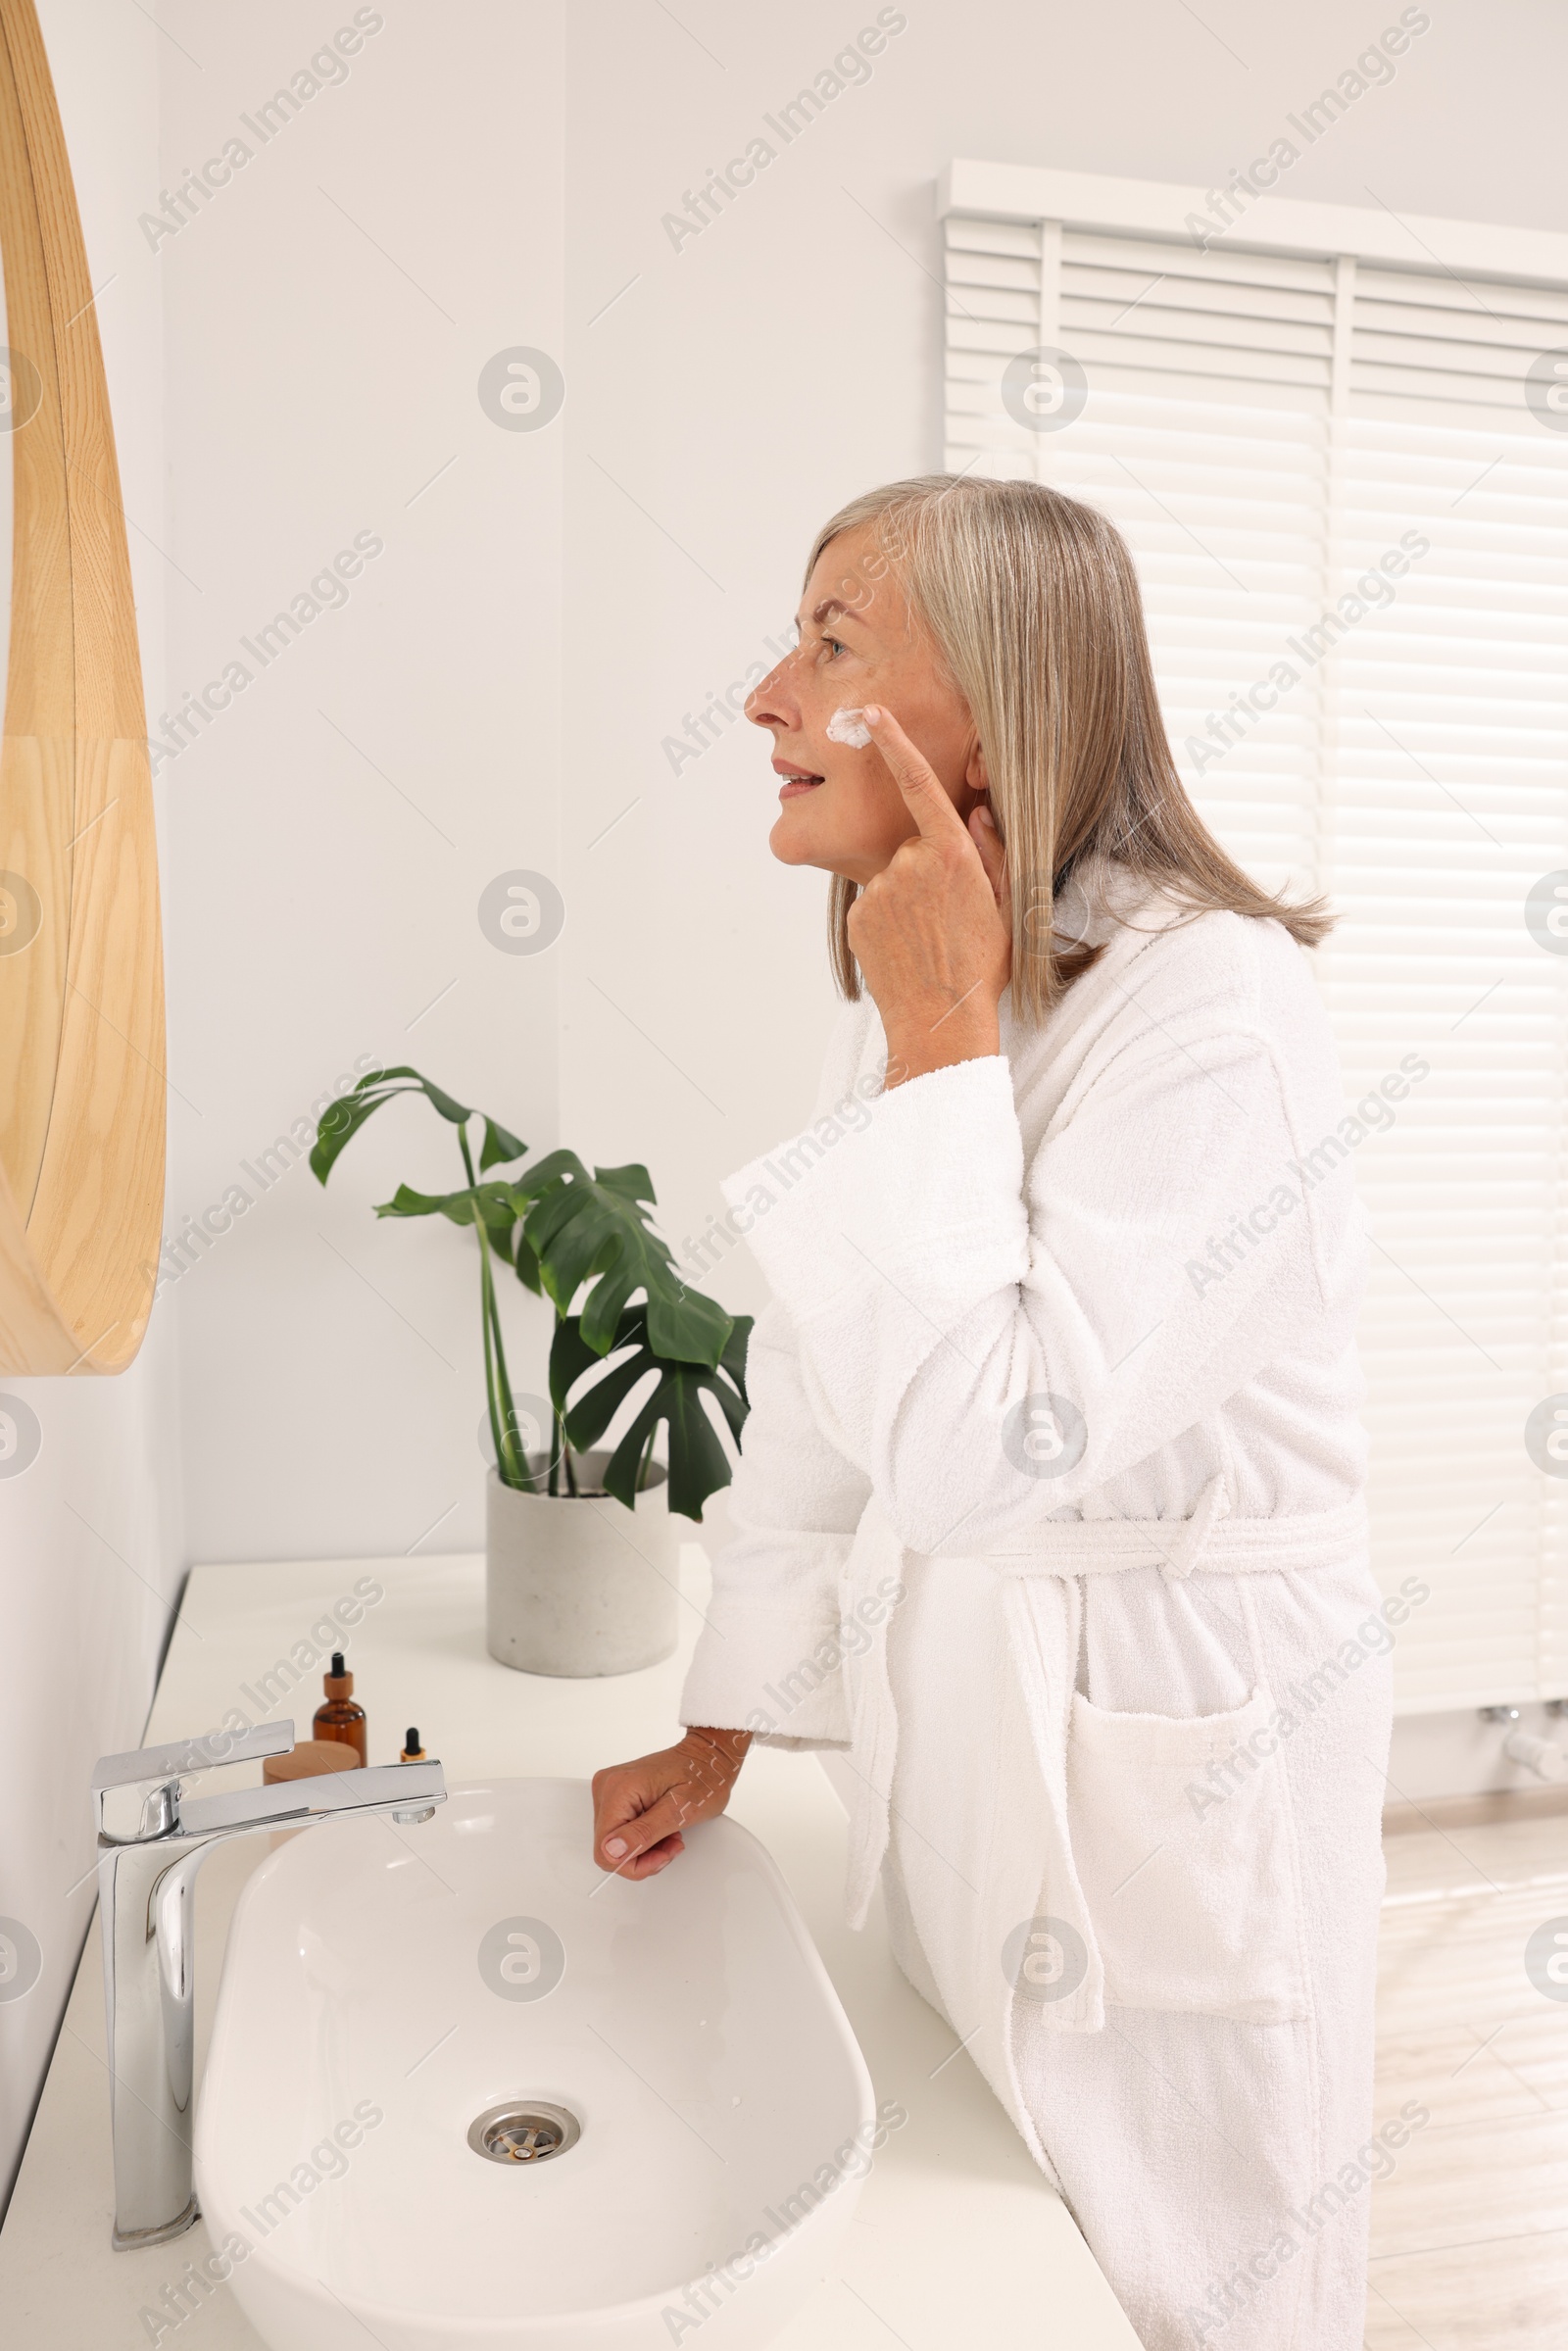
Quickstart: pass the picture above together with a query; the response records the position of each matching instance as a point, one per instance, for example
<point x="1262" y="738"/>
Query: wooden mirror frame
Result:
<point x="81" y="996"/>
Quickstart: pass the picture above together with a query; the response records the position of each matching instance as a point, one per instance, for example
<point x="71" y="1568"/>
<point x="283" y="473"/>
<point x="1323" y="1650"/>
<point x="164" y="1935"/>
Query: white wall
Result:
<point x="329" y="314"/>
<point x="90" y="1540"/>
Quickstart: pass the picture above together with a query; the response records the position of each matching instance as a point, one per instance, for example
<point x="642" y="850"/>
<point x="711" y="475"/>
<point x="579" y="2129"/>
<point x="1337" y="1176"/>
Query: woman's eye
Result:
<point x="833" y="643"/>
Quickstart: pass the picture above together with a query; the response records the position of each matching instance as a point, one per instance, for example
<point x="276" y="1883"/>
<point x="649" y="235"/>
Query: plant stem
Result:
<point x="511" y="1463"/>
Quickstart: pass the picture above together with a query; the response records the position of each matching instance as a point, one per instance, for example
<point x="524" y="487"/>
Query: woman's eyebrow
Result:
<point x="830" y="604"/>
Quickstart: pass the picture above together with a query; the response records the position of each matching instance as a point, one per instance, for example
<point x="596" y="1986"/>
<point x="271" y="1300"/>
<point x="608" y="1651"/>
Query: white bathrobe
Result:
<point x="1050" y="1518"/>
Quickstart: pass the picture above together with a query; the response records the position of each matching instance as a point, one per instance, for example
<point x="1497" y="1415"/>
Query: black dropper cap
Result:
<point x="338" y="1665"/>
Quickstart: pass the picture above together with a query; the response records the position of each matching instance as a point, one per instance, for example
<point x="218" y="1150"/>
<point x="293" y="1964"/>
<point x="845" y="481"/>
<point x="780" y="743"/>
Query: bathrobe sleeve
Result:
<point x="768" y="1657"/>
<point x="990" y="1342"/>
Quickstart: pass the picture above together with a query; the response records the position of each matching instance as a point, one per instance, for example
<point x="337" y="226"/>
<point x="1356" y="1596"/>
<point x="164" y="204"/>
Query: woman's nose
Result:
<point x="774" y="702"/>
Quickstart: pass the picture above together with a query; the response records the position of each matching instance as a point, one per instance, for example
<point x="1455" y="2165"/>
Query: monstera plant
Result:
<point x="623" y="1315"/>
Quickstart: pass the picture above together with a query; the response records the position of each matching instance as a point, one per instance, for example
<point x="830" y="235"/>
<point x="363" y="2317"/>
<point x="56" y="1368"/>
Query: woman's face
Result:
<point x="840" y="807"/>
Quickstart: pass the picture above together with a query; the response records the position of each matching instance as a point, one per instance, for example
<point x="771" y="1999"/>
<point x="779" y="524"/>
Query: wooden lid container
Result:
<point x="310" y="1760"/>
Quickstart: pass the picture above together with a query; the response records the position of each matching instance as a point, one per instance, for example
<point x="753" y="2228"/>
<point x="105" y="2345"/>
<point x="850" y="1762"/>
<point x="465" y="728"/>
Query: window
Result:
<point x="1337" y="444"/>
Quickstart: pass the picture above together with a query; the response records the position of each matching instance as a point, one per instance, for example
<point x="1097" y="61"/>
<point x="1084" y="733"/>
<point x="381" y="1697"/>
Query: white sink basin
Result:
<point x="386" y="1988"/>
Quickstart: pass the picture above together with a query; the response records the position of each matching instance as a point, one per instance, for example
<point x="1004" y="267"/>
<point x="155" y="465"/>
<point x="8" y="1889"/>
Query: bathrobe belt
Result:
<point x="1034" y="1712"/>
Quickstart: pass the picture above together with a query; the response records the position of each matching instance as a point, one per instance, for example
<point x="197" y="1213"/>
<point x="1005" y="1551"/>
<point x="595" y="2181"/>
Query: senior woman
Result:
<point x="1051" y="1514"/>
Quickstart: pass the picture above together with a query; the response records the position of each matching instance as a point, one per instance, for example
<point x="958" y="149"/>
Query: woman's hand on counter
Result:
<point x="931" y="932"/>
<point x="641" y="1808"/>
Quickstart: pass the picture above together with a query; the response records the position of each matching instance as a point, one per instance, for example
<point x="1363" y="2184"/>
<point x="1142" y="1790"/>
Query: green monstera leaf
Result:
<point x="487" y="1204"/>
<point x="350" y="1112"/>
<point x="568" y="1234"/>
<point x="698" y="1462"/>
<point x="581" y="1228"/>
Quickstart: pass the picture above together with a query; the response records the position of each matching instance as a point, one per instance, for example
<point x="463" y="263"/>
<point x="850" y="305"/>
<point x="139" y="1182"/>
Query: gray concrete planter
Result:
<point x="580" y="1586"/>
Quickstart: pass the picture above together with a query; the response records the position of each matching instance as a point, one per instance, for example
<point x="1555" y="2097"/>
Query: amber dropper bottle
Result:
<point x="339" y="1717"/>
<point x="412" y="1752"/>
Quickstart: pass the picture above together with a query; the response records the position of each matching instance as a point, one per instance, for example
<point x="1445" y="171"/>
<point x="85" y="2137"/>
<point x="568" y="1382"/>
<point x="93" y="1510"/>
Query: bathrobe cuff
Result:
<point x="772" y="1660"/>
<point x="770" y="1655"/>
<point x="927" y="1195"/>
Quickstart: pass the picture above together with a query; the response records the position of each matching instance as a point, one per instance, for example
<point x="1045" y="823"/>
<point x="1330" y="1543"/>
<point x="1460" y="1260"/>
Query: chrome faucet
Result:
<point x="152" y="1839"/>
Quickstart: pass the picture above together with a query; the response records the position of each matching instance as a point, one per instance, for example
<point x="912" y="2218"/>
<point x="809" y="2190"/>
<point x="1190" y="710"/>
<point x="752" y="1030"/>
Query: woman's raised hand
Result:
<point x="932" y="931"/>
<point x="641" y="1808"/>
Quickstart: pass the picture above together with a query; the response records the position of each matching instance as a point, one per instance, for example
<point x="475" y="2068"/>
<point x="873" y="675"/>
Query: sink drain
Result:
<point x="530" y="2132"/>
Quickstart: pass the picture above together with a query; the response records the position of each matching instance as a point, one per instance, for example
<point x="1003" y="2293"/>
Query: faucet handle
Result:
<point x="158" y="1770"/>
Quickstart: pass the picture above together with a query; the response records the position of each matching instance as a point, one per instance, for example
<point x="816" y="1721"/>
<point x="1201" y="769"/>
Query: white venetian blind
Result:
<point x="1265" y="426"/>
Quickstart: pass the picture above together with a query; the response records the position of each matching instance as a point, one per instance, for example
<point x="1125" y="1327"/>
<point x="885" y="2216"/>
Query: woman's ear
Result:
<point x="987" y="841"/>
<point x="974" y="773"/>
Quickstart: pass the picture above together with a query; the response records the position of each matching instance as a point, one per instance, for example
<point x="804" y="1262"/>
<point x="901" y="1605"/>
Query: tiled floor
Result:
<point x="1470" y="2234"/>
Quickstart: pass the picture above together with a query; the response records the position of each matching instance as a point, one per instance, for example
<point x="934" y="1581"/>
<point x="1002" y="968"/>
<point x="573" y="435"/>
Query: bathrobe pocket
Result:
<point x="1183" y="1845"/>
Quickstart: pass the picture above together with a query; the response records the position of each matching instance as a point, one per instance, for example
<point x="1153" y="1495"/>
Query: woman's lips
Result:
<point x="794" y="780"/>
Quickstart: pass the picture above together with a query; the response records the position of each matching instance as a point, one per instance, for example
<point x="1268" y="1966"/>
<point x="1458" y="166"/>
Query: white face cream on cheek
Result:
<point x="848" y="726"/>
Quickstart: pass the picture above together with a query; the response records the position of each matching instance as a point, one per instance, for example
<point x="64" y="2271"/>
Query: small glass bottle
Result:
<point x="339" y="1717"/>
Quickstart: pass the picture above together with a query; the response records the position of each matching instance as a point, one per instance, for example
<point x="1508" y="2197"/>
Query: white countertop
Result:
<point x="957" y="2237"/>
